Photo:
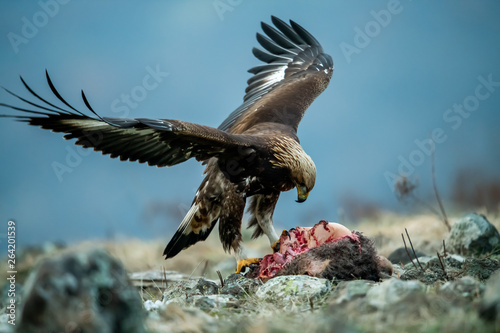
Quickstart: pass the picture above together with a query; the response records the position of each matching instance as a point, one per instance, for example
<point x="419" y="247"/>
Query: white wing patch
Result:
<point x="185" y="226"/>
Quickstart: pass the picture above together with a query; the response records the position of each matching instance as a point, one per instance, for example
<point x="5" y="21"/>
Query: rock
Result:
<point x="207" y="287"/>
<point x="473" y="235"/>
<point x="349" y="290"/>
<point x="489" y="308"/>
<point x="180" y="289"/>
<point x="5" y="327"/>
<point x="186" y="288"/>
<point x="430" y="272"/>
<point x="454" y="261"/>
<point x="464" y="289"/>
<point x="208" y="303"/>
<point x="81" y="292"/>
<point x="156" y="278"/>
<point x="286" y="290"/>
<point x="150" y="306"/>
<point x="400" y="256"/>
<point x="481" y="269"/>
<point x="239" y="285"/>
<point x="454" y="266"/>
<point x="390" y="293"/>
<point x="174" y="318"/>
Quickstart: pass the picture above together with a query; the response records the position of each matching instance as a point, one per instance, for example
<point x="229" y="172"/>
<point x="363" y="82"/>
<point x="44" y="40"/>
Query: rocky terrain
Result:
<point x="114" y="288"/>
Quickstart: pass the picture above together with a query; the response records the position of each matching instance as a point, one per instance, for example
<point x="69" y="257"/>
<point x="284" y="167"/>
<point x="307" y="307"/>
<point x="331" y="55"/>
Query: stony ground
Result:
<point x="449" y="294"/>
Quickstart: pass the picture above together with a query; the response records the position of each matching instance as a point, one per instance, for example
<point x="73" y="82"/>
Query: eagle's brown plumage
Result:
<point x="255" y="152"/>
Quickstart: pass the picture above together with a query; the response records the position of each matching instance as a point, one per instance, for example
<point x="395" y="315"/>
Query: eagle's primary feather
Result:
<point x="254" y="153"/>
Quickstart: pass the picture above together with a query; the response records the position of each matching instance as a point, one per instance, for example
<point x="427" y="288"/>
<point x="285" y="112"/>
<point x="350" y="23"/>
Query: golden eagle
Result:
<point x="255" y="153"/>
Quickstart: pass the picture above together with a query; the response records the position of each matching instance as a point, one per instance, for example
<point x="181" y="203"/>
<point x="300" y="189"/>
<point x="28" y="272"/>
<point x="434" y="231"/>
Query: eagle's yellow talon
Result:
<point x="276" y="246"/>
<point x="246" y="263"/>
<point x="286" y="233"/>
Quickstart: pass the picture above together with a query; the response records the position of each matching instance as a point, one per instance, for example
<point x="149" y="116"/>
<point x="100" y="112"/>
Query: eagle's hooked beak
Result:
<point x="302" y="193"/>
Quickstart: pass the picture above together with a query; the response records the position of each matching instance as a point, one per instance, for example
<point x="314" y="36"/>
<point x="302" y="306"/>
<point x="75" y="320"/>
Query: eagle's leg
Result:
<point x="264" y="215"/>
<point x="262" y="208"/>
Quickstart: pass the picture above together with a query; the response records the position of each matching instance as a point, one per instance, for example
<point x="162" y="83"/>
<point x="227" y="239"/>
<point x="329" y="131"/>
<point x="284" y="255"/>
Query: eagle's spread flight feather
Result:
<point x="254" y="153"/>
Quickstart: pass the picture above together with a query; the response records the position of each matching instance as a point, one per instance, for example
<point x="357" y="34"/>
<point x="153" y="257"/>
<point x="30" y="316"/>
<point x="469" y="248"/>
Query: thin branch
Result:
<point x="425" y="204"/>
<point x="220" y="278"/>
<point x="438" y="197"/>
<point x="415" y="254"/>
<point x="408" y="252"/>
<point x="442" y="266"/>
<point x="444" y="250"/>
<point x="164" y="277"/>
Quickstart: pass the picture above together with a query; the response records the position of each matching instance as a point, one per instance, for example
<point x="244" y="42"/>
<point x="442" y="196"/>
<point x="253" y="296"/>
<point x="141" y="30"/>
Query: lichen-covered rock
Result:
<point x="176" y="318"/>
<point x="436" y="269"/>
<point x="480" y="268"/>
<point x="464" y="289"/>
<point x="286" y="290"/>
<point x="211" y="302"/>
<point x="206" y="287"/>
<point x="489" y="308"/>
<point x="346" y="291"/>
<point x="400" y="256"/>
<point x="86" y="292"/>
<point x="185" y="288"/>
<point x="473" y="235"/>
<point x="393" y="291"/>
<point x="239" y="285"/>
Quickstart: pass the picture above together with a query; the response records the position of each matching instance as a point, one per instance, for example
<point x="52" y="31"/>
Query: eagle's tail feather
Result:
<point x="184" y="237"/>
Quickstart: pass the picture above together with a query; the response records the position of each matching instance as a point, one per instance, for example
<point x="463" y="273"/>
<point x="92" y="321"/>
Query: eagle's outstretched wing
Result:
<point x="296" y="72"/>
<point x="159" y="142"/>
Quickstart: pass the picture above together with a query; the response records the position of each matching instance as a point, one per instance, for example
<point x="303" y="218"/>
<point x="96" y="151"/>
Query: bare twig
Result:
<point x="408" y="252"/>
<point x="424" y="204"/>
<point x="438" y="197"/>
<point x="415" y="254"/>
<point x="444" y="250"/>
<point x="442" y="266"/>
<point x="164" y="277"/>
<point x="220" y="278"/>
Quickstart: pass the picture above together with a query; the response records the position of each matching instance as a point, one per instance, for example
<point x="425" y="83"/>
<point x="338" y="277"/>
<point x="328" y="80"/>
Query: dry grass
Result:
<point x="427" y="231"/>
<point x="203" y="259"/>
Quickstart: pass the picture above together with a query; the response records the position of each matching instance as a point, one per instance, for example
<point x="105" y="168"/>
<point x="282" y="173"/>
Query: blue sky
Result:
<point x="404" y="71"/>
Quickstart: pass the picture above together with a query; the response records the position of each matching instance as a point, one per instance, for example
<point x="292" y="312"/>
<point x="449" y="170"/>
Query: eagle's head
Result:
<point x="304" y="176"/>
<point x="290" y="155"/>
